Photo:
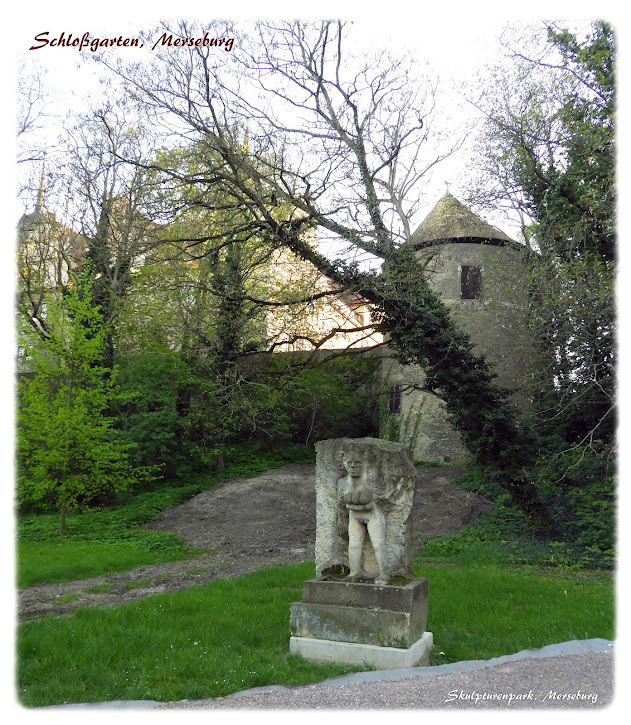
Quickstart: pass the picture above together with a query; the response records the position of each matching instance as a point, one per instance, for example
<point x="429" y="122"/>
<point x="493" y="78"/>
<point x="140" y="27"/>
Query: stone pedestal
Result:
<point x="357" y="623"/>
<point x="364" y="501"/>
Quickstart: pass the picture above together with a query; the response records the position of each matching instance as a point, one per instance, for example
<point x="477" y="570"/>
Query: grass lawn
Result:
<point x="487" y="597"/>
<point x="490" y="610"/>
<point x="60" y="561"/>
<point x="206" y="641"/>
<point x="233" y="634"/>
<point x="109" y="540"/>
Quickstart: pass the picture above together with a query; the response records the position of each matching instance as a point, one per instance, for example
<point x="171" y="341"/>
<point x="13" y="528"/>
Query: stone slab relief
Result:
<point x="364" y="499"/>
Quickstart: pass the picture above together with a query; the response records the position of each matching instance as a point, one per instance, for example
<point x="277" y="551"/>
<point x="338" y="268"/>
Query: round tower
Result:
<point x="478" y="271"/>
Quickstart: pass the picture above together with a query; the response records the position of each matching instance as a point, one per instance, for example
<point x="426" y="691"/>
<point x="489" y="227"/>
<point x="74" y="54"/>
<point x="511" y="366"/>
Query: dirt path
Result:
<point x="248" y="524"/>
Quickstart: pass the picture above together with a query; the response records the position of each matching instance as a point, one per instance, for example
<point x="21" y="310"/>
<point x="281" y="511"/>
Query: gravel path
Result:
<point x="522" y="681"/>
<point x="524" y="684"/>
<point x="276" y="527"/>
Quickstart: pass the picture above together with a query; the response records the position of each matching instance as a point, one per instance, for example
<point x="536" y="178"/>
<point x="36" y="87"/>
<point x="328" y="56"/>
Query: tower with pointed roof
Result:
<point x="477" y="269"/>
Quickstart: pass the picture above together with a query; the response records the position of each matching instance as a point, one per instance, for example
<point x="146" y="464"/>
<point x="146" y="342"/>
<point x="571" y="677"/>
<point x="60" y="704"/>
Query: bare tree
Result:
<point x="32" y="99"/>
<point x="297" y="134"/>
<point x="47" y="251"/>
<point x="112" y="201"/>
<point x="89" y="206"/>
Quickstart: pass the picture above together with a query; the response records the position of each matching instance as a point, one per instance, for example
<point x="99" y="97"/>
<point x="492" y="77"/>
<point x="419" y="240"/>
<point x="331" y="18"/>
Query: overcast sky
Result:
<point x="456" y="42"/>
<point x="456" y="45"/>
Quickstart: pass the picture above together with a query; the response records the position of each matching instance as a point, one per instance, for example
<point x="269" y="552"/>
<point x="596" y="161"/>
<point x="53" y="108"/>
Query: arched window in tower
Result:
<point x="470" y="282"/>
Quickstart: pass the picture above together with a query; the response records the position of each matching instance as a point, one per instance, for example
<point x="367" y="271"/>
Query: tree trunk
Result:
<point x="62" y="521"/>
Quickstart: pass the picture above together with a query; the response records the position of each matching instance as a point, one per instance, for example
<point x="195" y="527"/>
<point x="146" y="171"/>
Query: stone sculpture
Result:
<point x="365" y="517"/>
<point x="364" y="606"/>
<point x="364" y="498"/>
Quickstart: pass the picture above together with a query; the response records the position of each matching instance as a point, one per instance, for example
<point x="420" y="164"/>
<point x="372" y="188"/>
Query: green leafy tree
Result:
<point x="68" y="454"/>
<point x="203" y="291"/>
<point x="548" y="150"/>
<point x="573" y="207"/>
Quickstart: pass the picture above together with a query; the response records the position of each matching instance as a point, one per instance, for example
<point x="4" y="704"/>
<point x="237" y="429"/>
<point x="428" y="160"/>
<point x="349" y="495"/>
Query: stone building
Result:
<point x="478" y="270"/>
<point x="325" y="318"/>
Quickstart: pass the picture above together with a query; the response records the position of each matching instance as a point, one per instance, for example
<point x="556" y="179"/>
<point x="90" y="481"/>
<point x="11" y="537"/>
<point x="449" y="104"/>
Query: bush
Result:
<point x="334" y="399"/>
<point x="167" y="411"/>
<point x="578" y="488"/>
<point x="584" y="537"/>
<point x="147" y="408"/>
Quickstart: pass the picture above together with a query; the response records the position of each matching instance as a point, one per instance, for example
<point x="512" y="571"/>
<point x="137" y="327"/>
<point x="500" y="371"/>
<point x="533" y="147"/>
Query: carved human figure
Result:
<point x="364" y="517"/>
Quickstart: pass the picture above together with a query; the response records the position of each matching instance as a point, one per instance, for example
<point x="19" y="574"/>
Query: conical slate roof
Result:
<point x="28" y="222"/>
<point x="450" y="220"/>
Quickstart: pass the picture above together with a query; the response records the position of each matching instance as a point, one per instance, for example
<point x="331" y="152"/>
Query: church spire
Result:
<point x="40" y="193"/>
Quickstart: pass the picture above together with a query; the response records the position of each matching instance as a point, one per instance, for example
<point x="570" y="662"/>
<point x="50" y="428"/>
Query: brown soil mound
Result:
<point x="248" y="524"/>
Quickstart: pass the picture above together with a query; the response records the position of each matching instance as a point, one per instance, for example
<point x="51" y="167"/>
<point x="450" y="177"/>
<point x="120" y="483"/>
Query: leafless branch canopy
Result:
<point x="293" y="131"/>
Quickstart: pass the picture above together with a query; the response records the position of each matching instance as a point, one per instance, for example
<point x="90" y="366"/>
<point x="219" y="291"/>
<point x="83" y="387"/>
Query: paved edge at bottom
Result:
<point x="574" y="647"/>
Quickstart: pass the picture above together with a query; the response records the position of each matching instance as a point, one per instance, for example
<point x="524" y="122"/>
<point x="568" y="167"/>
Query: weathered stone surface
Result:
<point x="449" y="239"/>
<point x="364" y="499"/>
<point x="411" y="597"/>
<point x="362" y="613"/>
<point x="364" y="503"/>
<point x="351" y="624"/>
